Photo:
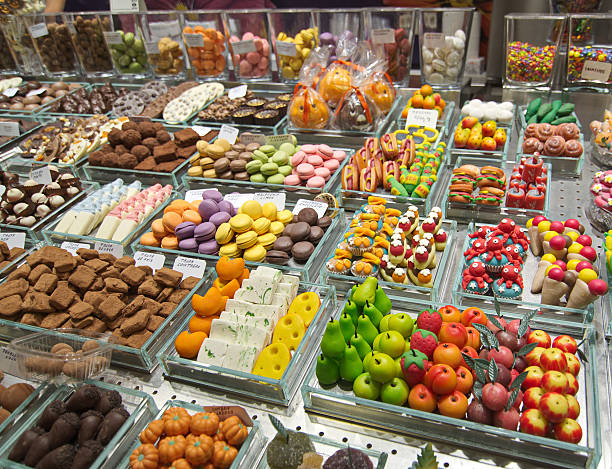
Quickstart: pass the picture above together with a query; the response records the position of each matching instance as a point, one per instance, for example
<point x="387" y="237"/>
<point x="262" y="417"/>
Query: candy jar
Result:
<point x="589" y="56"/>
<point x="333" y="23"/>
<point x="443" y="34"/>
<point x="87" y="33"/>
<point x="126" y="45"/>
<point x="21" y="45"/>
<point x="7" y="59"/>
<point x="163" y="43"/>
<point x="51" y="35"/>
<point x="393" y="30"/>
<point x="294" y="38"/>
<point x="249" y="43"/>
<point x="204" y="37"/>
<point x="531" y="49"/>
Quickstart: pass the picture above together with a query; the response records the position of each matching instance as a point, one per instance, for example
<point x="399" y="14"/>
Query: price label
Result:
<point x="201" y="131"/>
<point x="38" y="30"/>
<point x="243" y="47"/>
<point x="287" y="49"/>
<point x="189" y="267"/>
<point x="155" y="261"/>
<point x="113" y="38"/>
<point x="237" y="199"/>
<point x="434" y="40"/>
<point x="237" y="92"/>
<point x="164" y="28"/>
<point x="405" y="21"/>
<point x="193" y="195"/>
<point x="226" y="411"/>
<point x="109" y="248"/>
<point x="8" y="361"/>
<point x="229" y="133"/>
<point x="72" y="247"/>
<point x="41" y="175"/>
<point x="2" y="190"/>
<point x="193" y="39"/>
<point x="319" y="207"/>
<point x="9" y="129"/>
<point x="277" y="197"/>
<point x="13" y="240"/>
<point x="430" y="20"/>
<point x="36" y="92"/>
<point x="249" y="137"/>
<point x="278" y="140"/>
<point x="596" y="71"/>
<point x="151" y="47"/>
<point x="383" y="36"/>
<point x="123" y="6"/>
<point x="422" y="117"/>
<point x="10" y="92"/>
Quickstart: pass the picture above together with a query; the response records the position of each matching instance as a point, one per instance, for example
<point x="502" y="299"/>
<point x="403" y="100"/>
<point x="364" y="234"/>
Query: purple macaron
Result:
<point x="212" y="194"/>
<point x="219" y="217"/>
<point x="206" y="208"/>
<point x="208" y="247"/>
<point x="225" y="206"/>
<point x="204" y="231"/>
<point x="189" y="245"/>
<point x="184" y="230"/>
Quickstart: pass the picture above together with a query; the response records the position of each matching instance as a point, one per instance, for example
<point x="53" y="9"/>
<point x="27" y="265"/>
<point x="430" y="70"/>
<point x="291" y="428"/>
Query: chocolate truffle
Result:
<point x="108" y="401"/>
<point x="59" y="458"/>
<point x="90" y="423"/>
<point x="87" y="453"/>
<point x="64" y="430"/>
<point x="23" y="443"/>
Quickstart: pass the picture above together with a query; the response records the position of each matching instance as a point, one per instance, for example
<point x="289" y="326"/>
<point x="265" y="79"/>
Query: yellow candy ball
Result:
<point x="586" y="275"/>
<point x="529" y="223"/>
<point x="571" y="264"/>
<point x="550" y="234"/>
<point x="554" y="266"/>
<point x="543" y="226"/>
<point x="549" y="257"/>
<point x="572" y="234"/>
<point x="575" y="248"/>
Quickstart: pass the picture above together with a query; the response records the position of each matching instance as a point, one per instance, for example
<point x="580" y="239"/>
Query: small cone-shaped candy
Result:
<point x="584" y="294"/>
<point x="554" y="289"/>
<point x="538" y="278"/>
<point x="554" y="244"/>
<point x="532" y="233"/>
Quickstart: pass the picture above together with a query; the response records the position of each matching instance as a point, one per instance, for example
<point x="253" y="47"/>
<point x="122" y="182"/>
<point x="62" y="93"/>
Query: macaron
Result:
<point x="178" y="206"/>
<point x="229" y="250"/>
<point x="148" y="239"/>
<point x="276" y="228"/>
<point x="208" y="247"/>
<point x="284" y="216"/>
<point x="219" y="218"/>
<point x="184" y="230"/>
<point x="261" y="225"/>
<point x="158" y="229"/>
<point x="170" y="242"/>
<point x="207" y="208"/>
<point x="292" y="180"/>
<point x="308" y="148"/>
<point x="246" y="240"/>
<point x="339" y="155"/>
<point x="171" y="220"/>
<point x="269" y="210"/>
<point x="256" y="253"/>
<point x="315" y="182"/>
<point x="193" y="216"/>
<point x="325" y="151"/>
<point x="297" y="158"/>
<point x="266" y="240"/>
<point x="213" y="194"/>
<point x="224" y="233"/>
<point x="225" y="206"/>
<point x="305" y="171"/>
<point x="332" y="164"/>
<point x="314" y="160"/>
<point x="189" y="244"/>
<point x="252" y="208"/>
<point x="322" y="172"/>
<point x="241" y="223"/>
<point x="204" y="231"/>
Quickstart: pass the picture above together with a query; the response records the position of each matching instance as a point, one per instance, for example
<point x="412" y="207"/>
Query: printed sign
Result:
<point x="434" y="40"/>
<point x="164" y="28"/>
<point x="9" y="129"/>
<point x="319" y="207"/>
<point x="383" y="36"/>
<point x="286" y="48"/>
<point x="193" y="39"/>
<point x="38" y="30"/>
<point x="41" y="175"/>
<point x="249" y="137"/>
<point x="195" y="194"/>
<point x="229" y="133"/>
<point x="113" y="37"/>
<point x="13" y="240"/>
<point x="124" y="6"/>
<point x="189" y="267"/>
<point x="278" y="140"/>
<point x="237" y="92"/>
<point x="201" y="130"/>
<point x="243" y="47"/>
<point x="277" y="197"/>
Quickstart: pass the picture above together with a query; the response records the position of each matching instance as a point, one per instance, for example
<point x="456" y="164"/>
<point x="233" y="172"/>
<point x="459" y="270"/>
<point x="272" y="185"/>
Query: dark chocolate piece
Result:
<point x="23" y="444"/>
<point x="64" y="430"/>
<point x="51" y="413"/>
<point x="111" y="424"/>
<point x="90" y="424"/>
<point x="59" y="458"/>
<point x="87" y="453"/>
<point x="85" y="398"/>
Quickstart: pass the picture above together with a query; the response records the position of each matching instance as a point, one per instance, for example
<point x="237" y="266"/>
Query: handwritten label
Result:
<point x="124" y="6"/>
<point x="229" y="133"/>
<point x="10" y="92"/>
<point x="109" y="248"/>
<point x="287" y="49"/>
<point x="193" y="39"/>
<point x="237" y="199"/>
<point x="189" y="267"/>
<point x="319" y="207"/>
<point x="41" y="175"/>
<point x="195" y="194"/>
<point x="405" y="21"/>
<point x="422" y="117"/>
<point x="201" y="131"/>
<point x="226" y="411"/>
<point x="155" y="261"/>
<point x="164" y="28"/>
<point x="113" y="38"/>
<point x="243" y="47"/>
<point x="278" y="198"/>
<point x="596" y="71"/>
<point x="36" y="92"/>
<point x="278" y="140"/>
<point x="151" y="47"/>
<point x="72" y="247"/>
<point x="249" y="137"/>
<point x="38" y="30"/>
<point x="13" y="240"/>
<point x="434" y="40"/>
<point x="8" y="361"/>
<point x="9" y="129"/>
<point x="237" y="92"/>
<point x="383" y="36"/>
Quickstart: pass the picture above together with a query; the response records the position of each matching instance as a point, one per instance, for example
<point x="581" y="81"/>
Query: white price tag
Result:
<point x="278" y="140"/>
<point x="422" y="117"/>
<point x="287" y="49"/>
<point x="38" y="30"/>
<point x="434" y="40"/>
<point x="151" y="47"/>
<point x="237" y="92"/>
<point x="10" y="92"/>
<point x="13" y="240"/>
<point x="229" y="133"/>
<point x="8" y="361"/>
<point x="319" y="207"/>
<point x="277" y="197"/>
<point x="72" y="248"/>
<point x="249" y="137"/>
<point x="383" y="36"/>
<point x="164" y="28"/>
<point x="124" y="6"/>
<point x="109" y="248"/>
<point x="201" y="131"/>
<point x="189" y="267"/>
<point x="2" y="190"/>
<point x="243" y="47"/>
<point x="155" y="261"/>
<point x="193" y="195"/>
<point x="430" y="20"/>
<point x="193" y="39"/>
<point x="36" y="92"/>
<point x="113" y="38"/>
<point x="9" y="129"/>
<point x="237" y="199"/>
<point x="596" y="71"/>
<point x="41" y="175"/>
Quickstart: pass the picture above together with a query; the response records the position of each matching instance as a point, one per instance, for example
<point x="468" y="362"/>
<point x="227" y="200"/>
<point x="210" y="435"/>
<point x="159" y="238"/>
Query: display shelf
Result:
<point x="338" y="403"/>
<point x="36" y="113"/>
<point x="601" y="156"/>
<point x="467" y="212"/>
<point x="30" y="246"/>
<point x="344" y="283"/>
<point x="563" y="166"/>
<point x="139" y="404"/>
<point x="275" y="391"/>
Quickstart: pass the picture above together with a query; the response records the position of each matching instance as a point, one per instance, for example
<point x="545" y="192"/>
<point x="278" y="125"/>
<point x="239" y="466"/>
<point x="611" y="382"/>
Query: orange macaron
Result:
<point x="192" y="216"/>
<point x="149" y="239"/>
<point x="158" y="229"/>
<point x="170" y="242"/>
<point x="170" y="221"/>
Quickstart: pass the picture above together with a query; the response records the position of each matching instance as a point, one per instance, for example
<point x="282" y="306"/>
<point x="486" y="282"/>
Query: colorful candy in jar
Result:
<point x="291" y="58"/>
<point x="207" y="59"/>
<point x="528" y="62"/>
<point x="577" y="58"/>
<point x="251" y="55"/>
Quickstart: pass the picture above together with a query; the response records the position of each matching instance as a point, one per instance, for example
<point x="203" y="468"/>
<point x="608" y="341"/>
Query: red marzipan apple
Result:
<point x="568" y="430"/>
<point x="554" y="381"/>
<point x="502" y="356"/>
<point x="513" y="327"/>
<point x="532" y="421"/>
<point x="494" y="328"/>
<point x="540" y="337"/>
<point x="531" y="398"/>
<point x="574" y="407"/>
<point x="507" y="419"/>
<point x="565" y="343"/>
<point x="553" y="359"/>
<point x="573" y="365"/>
<point x="554" y="406"/>
<point x="477" y="412"/>
<point x="494" y="396"/>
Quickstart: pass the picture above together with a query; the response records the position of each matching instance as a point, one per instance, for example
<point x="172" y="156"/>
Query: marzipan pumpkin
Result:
<point x="334" y="84"/>
<point x="223" y="455"/>
<point x="234" y="430"/>
<point x="172" y="448"/>
<point x="153" y="431"/>
<point x="219" y="436"/>
<point x="204" y="423"/>
<point x="144" y="457"/>
<point x="199" y="450"/>
<point x="176" y="421"/>
<point x="180" y="464"/>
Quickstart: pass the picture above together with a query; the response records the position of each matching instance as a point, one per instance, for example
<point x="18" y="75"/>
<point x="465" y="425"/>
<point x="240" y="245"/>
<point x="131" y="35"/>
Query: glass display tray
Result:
<point x="499" y="155"/>
<point x="343" y="405"/>
<point x="307" y="272"/>
<point x="275" y="391"/>
<point x="22" y="165"/>
<point x="326" y="447"/>
<point x="344" y="283"/>
<point x="47" y="113"/>
<point x="34" y="230"/>
<point x="520" y="117"/>
<point x="563" y="166"/>
<point x="51" y="236"/>
<point x="41" y="109"/>
<point x="140" y="405"/>
<point x="488" y="213"/>
<point x="142" y="359"/>
<point x="247" y="457"/>
<point x="15" y="140"/>
<point x="600" y="155"/>
<point x="528" y="300"/>
<point x="29" y="246"/>
<point x="293" y="193"/>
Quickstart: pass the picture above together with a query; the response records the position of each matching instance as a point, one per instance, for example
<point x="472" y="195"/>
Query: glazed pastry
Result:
<point x="531" y="131"/>
<point x="568" y="131"/>
<point x="554" y="146"/>
<point x="531" y="145"/>
<point x="544" y="131"/>
<point x="573" y="149"/>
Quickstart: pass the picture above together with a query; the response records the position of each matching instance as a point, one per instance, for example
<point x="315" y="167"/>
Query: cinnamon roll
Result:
<point x="531" y="130"/>
<point x="554" y="146"/>
<point x="531" y="145"/>
<point x="544" y="131"/>
<point x="568" y="131"/>
<point x="573" y="149"/>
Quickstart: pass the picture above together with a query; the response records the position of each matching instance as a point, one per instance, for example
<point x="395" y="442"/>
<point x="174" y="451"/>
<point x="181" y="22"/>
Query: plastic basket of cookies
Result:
<point x="62" y="355"/>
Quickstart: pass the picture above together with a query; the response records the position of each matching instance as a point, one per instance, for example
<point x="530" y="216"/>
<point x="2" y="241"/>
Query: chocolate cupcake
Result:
<point x="267" y="117"/>
<point x="244" y="116"/>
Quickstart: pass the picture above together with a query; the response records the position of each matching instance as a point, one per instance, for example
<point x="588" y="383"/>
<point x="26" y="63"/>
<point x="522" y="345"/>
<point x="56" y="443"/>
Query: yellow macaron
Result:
<point x="195" y="171"/>
<point x="285" y="216"/>
<point x="252" y="208"/>
<point x="261" y="225"/>
<point x="256" y="253"/>
<point x="230" y="250"/>
<point x="246" y="240"/>
<point x="266" y="240"/>
<point x="269" y="210"/>
<point x="276" y="228"/>
<point x="224" y="233"/>
<point x="241" y="223"/>
<point x="223" y="144"/>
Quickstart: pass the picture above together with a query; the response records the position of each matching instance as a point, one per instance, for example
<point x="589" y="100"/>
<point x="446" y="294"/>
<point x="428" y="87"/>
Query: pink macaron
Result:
<point x="339" y="155"/>
<point x="308" y="148"/>
<point x="325" y="151"/>
<point x="258" y="44"/>
<point x="253" y="58"/>
<point x="315" y="160"/>
<point x="332" y="164"/>
<point x="297" y="158"/>
<point x="322" y="172"/>
<point x="292" y="180"/>
<point x="305" y="171"/>
<point x="316" y="181"/>
<point x="245" y="68"/>
<point x="248" y="36"/>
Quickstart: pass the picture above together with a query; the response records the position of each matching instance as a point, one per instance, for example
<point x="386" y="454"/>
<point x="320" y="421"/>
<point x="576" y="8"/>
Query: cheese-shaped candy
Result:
<point x="273" y="361"/>
<point x="306" y="306"/>
<point x="290" y="330"/>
